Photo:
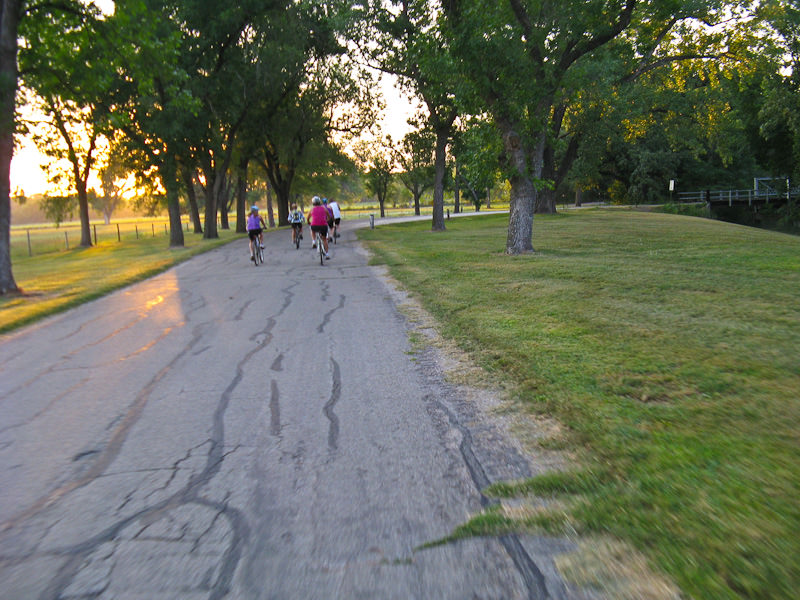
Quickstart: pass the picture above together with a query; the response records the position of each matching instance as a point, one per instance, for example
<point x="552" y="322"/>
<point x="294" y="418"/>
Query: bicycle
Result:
<point x="296" y="236"/>
<point x="320" y="247"/>
<point x="257" y="255"/>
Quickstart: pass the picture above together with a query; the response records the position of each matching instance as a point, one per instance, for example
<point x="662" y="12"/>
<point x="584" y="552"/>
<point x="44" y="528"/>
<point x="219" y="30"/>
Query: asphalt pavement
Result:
<point x="230" y="431"/>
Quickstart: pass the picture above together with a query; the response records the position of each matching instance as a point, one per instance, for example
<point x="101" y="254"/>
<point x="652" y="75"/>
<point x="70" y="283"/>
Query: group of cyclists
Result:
<point x="324" y="218"/>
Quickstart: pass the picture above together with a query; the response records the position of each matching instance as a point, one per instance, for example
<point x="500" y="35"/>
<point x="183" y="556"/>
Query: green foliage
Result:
<point x="478" y="149"/>
<point x="688" y="210"/>
<point x="59" y="208"/>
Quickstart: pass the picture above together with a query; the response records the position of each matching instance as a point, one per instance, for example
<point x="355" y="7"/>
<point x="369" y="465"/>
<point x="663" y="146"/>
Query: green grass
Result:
<point x="60" y="280"/>
<point x="668" y="347"/>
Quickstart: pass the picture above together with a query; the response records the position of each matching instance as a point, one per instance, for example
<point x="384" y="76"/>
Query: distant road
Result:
<point x="230" y="431"/>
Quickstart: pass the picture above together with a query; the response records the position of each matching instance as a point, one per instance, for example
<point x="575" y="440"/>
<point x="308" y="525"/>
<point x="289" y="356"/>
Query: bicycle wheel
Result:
<point x="260" y="254"/>
<point x="296" y="240"/>
<point x="320" y="249"/>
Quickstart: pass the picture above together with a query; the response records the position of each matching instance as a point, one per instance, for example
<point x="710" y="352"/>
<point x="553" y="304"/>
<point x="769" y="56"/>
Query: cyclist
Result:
<point x="296" y="220"/>
<point x="330" y="219"/>
<point x="318" y="220"/>
<point x="337" y="216"/>
<point x="255" y="228"/>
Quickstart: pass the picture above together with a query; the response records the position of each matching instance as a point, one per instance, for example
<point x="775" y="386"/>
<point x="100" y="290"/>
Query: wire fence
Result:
<point x="39" y="240"/>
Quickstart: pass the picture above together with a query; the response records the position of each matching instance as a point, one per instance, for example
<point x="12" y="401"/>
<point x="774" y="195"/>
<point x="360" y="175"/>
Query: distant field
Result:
<point x="667" y="347"/>
<point x="35" y="240"/>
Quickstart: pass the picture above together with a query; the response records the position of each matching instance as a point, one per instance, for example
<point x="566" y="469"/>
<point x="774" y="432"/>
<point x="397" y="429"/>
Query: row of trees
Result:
<point x="552" y="97"/>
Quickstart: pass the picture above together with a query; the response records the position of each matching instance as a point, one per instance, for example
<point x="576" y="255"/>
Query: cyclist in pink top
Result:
<point x="318" y="219"/>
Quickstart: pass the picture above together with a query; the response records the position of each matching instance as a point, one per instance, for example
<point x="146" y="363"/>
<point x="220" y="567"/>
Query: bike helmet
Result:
<point x="324" y="200"/>
<point x="316" y="201"/>
<point x="254" y="208"/>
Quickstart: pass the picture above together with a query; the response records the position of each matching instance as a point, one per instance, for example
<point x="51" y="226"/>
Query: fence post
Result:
<point x="119" y="238"/>
<point x="30" y="250"/>
<point x="137" y="231"/>
<point x="95" y="234"/>
<point x="66" y="240"/>
<point x="153" y="226"/>
<point x="372" y="221"/>
<point x="165" y="229"/>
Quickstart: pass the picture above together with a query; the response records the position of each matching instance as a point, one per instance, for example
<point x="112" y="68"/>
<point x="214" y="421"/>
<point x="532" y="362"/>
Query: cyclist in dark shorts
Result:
<point x="296" y="220"/>
<point x="337" y="216"/>
<point x="318" y="219"/>
<point x="330" y="219"/>
<point x="255" y="227"/>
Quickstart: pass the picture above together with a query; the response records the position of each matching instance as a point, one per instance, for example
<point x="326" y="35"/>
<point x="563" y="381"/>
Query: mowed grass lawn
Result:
<point x="669" y="348"/>
<point x="59" y="280"/>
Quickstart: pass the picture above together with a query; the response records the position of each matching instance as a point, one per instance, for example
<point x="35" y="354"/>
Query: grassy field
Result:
<point x="59" y="280"/>
<point x="668" y="348"/>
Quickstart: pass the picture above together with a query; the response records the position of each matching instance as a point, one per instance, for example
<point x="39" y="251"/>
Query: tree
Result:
<point x="378" y="161"/>
<point x="69" y="85"/>
<point x="410" y="45"/>
<point x="150" y="101"/>
<point x="10" y="14"/>
<point x="476" y="149"/>
<point x="58" y="208"/>
<point x="527" y="61"/>
<point x="71" y="136"/>
<point x="780" y="111"/>
<point x="113" y="181"/>
<point x="415" y="157"/>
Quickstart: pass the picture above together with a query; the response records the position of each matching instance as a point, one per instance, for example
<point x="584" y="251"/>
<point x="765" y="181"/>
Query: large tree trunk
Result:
<point x="223" y="196"/>
<point x="191" y="195"/>
<point x="83" y="211"/>
<point x="241" y="197"/>
<point x="210" y="218"/>
<point x="169" y="177"/>
<point x="9" y="19"/>
<point x="523" y="192"/>
<point x="270" y="213"/>
<point x="456" y="192"/>
<point x="440" y="157"/>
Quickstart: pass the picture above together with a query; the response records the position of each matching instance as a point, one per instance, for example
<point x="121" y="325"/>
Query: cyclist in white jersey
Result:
<point x="337" y="216"/>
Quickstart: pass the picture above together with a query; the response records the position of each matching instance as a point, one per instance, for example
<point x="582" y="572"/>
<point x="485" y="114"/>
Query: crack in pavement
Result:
<point x="274" y="409"/>
<point x="327" y="317"/>
<point x="336" y="392"/>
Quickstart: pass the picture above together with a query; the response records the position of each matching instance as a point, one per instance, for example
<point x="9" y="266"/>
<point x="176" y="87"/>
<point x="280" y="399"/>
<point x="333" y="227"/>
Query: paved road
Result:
<point x="230" y="431"/>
